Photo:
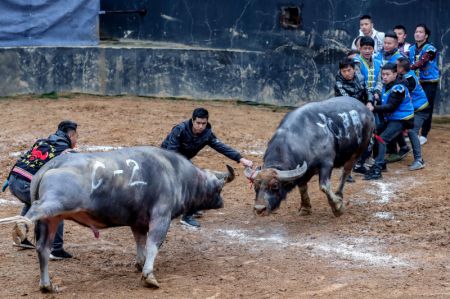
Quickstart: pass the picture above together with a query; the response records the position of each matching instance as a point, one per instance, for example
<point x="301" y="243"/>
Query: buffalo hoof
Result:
<point x="139" y="267"/>
<point x="304" y="211"/>
<point x="19" y="233"/>
<point x="338" y="208"/>
<point x="47" y="288"/>
<point x="150" y="281"/>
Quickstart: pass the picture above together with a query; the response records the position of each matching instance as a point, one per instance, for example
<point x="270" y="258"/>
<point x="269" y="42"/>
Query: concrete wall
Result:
<point x="219" y="49"/>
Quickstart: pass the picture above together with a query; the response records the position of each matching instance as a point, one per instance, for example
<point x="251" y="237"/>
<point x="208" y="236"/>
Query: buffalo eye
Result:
<point x="275" y="186"/>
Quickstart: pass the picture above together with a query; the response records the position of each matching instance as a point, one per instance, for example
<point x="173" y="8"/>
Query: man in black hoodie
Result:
<point x="190" y="136"/>
<point x="351" y="83"/>
<point x="19" y="179"/>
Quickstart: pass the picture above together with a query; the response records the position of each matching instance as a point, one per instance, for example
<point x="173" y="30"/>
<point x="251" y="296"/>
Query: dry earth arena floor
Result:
<point x="392" y="242"/>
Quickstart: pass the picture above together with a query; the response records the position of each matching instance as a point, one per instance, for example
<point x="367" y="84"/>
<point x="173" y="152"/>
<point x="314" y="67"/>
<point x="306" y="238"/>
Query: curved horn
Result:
<point x="230" y="176"/>
<point x="291" y="175"/>
<point x="225" y="176"/>
<point x="250" y="173"/>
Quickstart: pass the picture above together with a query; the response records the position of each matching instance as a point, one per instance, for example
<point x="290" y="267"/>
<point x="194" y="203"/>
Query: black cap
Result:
<point x="67" y="125"/>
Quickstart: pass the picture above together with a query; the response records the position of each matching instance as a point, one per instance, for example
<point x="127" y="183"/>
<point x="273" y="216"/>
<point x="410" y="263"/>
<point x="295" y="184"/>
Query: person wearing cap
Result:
<point x="19" y="179"/>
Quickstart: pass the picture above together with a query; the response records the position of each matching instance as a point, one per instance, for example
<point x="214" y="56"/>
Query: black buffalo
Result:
<point x="142" y="187"/>
<point x="310" y="140"/>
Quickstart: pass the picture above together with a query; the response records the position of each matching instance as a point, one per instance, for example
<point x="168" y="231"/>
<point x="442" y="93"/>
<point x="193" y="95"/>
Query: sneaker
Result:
<point x="359" y="169"/>
<point x="418" y="164"/>
<point x="373" y="174"/>
<point x="189" y="221"/>
<point x="59" y="254"/>
<point x="350" y="179"/>
<point x="423" y="140"/>
<point x="391" y="158"/>
<point x="25" y="244"/>
<point x="402" y="153"/>
<point x="198" y="214"/>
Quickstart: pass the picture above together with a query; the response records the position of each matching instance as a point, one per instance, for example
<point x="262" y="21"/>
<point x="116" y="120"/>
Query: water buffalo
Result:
<point x="141" y="187"/>
<point x="312" y="139"/>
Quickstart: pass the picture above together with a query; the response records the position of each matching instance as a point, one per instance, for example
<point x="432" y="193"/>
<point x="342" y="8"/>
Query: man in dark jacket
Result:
<point x="351" y="83"/>
<point x="190" y="136"/>
<point x="19" y="179"/>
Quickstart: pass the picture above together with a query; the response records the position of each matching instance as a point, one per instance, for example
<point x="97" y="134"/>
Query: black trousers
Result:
<point x="430" y="89"/>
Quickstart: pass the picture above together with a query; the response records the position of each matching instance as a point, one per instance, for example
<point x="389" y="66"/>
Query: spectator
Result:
<point x="352" y="54"/>
<point x="423" y="57"/>
<point x="399" y="114"/>
<point x="390" y="52"/>
<point x="352" y="84"/>
<point x="403" y="45"/>
<point x="369" y="67"/>
<point x="421" y="109"/>
<point x="366" y="28"/>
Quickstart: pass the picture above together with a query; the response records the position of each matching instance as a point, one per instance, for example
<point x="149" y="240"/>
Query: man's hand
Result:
<point x="245" y="162"/>
<point x="370" y="106"/>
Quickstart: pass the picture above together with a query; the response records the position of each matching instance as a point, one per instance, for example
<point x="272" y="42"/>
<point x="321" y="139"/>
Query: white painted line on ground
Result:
<point x="6" y="202"/>
<point x="356" y="249"/>
<point x="384" y="215"/>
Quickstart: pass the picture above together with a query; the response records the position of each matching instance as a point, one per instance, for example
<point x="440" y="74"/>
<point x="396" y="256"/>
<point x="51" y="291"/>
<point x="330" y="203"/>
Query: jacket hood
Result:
<point x="60" y="137"/>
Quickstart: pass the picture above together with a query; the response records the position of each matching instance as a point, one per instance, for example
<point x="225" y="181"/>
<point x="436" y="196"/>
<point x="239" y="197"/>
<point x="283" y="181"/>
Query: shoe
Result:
<point x="423" y="140"/>
<point x="403" y="152"/>
<point x="391" y="158"/>
<point x="359" y="169"/>
<point x="395" y="157"/>
<point x="417" y="164"/>
<point x="25" y="244"/>
<point x="350" y="179"/>
<point x="369" y="162"/>
<point x="198" y="214"/>
<point x="59" y="254"/>
<point x="373" y="174"/>
<point x="189" y="221"/>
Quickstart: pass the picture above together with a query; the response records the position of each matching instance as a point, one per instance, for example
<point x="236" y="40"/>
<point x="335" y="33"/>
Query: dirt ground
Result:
<point x="392" y="242"/>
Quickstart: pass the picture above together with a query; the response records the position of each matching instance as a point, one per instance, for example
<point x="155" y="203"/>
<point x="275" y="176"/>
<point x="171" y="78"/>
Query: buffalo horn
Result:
<point x="250" y="173"/>
<point x="291" y="175"/>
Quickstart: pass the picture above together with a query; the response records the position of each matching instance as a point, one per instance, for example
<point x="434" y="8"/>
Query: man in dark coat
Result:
<point x="190" y="136"/>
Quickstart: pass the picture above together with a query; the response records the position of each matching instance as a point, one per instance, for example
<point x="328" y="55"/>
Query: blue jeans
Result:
<point x="389" y="132"/>
<point x="20" y="188"/>
<point x="419" y="118"/>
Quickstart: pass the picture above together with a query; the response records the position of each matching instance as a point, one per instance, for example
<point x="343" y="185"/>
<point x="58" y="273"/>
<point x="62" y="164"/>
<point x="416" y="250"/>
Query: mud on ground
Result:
<point x="392" y="242"/>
